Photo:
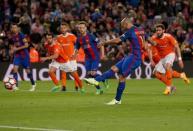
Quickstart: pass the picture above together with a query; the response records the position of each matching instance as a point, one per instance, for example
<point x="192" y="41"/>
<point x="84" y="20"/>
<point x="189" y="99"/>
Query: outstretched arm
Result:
<point x="110" y="42"/>
<point x="54" y="56"/>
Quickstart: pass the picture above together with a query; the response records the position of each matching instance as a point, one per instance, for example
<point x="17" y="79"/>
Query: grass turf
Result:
<point x="143" y="108"/>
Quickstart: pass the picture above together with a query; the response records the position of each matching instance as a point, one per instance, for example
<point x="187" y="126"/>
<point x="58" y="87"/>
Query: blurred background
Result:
<point x="36" y="17"/>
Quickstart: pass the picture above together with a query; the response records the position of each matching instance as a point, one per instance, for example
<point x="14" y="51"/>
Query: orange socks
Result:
<point x="176" y="74"/>
<point x="161" y="78"/>
<point x="77" y="79"/>
<point x="63" y="78"/>
<point x="169" y="77"/>
<point x="53" y="77"/>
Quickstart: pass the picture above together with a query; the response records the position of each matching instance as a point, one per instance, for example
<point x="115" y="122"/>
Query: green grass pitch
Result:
<point x="143" y="108"/>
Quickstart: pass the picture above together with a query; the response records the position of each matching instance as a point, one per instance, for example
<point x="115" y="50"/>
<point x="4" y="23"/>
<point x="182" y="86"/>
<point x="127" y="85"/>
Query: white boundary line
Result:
<point x="29" y="128"/>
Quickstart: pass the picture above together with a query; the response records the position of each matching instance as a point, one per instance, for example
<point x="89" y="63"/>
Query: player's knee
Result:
<point x="51" y="71"/>
<point x="122" y="78"/>
<point x="93" y="73"/>
<point x="15" y="70"/>
<point x="168" y="66"/>
<point x="115" y="69"/>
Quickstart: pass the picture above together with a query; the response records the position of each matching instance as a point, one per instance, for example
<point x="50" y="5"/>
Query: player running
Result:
<point x="89" y="43"/>
<point x="159" y="70"/>
<point x="166" y="46"/>
<point x="67" y="41"/>
<point x="21" y="55"/>
<point x="129" y="63"/>
<point x="59" y="61"/>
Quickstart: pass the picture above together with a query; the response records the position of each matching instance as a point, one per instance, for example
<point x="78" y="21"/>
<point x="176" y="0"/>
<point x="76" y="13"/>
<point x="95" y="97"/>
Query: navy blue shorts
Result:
<point x="24" y="62"/>
<point x="91" y="65"/>
<point x="128" y="64"/>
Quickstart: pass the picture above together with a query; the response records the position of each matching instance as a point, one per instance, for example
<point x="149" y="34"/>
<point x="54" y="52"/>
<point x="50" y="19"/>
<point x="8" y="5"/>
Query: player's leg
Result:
<point x="52" y="73"/>
<point x="26" y="66"/>
<point x="168" y="63"/>
<point x="29" y="75"/>
<point x="159" y="73"/>
<point x="161" y="77"/>
<point x="77" y="79"/>
<point x="120" y="89"/>
<point x="182" y="75"/>
<point x="74" y="68"/>
<point x="129" y="64"/>
<point x="93" y="74"/>
<point x="16" y="63"/>
<point x="106" y="75"/>
<point x="63" y="75"/>
<point x="99" y="90"/>
<point x="15" y="76"/>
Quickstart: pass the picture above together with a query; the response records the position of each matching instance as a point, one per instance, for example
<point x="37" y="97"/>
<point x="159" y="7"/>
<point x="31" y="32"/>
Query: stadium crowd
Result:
<point x="37" y="17"/>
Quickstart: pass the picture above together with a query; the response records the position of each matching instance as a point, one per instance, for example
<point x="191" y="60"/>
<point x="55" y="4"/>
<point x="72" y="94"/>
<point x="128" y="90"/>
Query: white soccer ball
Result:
<point x="10" y="83"/>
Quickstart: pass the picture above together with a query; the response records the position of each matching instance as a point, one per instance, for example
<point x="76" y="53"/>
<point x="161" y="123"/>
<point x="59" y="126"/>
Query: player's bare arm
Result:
<point x="149" y="39"/>
<point x="54" y="56"/>
<point x="74" y="54"/>
<point x="110" y="42"/>
<point x="149" y="52"/>
<point x="178" y="52"/>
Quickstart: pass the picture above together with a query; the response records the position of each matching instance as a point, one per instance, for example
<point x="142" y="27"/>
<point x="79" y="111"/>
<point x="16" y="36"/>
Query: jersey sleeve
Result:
<point x="172" y="40"/>
<point x="125" y="36"/>
<point x="74" y="38"/>
<point x="56" y="49"/>
<point x="95" y="39"/>
<point x="77" y="44"/>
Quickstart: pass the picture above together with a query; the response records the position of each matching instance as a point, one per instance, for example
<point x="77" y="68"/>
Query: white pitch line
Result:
<point x="30" y="128"/>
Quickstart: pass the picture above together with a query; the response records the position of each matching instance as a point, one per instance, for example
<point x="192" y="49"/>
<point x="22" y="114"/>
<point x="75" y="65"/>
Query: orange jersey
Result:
<point x="67" y="41"/>
<point x="57" y="49"/>
<point x="165" y="45"/>
<point x="155" y="54"/>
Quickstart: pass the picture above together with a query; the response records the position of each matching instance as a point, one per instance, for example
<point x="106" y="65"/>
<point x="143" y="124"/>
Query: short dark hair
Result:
<point x="160" y="26"/>
<point x="65" y="24"/>
<point x="82" y="22"/>
<point x="50" y="34"/>
<point x="13" y="23"/>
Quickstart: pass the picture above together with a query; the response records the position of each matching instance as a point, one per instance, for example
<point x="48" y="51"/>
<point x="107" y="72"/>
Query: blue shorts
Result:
<point x="24" y="62"/>
<point x="91" y="65"/>
<point x="128" y="64"/>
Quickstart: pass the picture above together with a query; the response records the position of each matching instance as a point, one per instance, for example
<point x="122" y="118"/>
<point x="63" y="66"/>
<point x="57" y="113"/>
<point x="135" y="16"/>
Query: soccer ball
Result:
<point x="10" y="83"/>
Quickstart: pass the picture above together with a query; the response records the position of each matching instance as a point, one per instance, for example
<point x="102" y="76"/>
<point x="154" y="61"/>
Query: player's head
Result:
<point x="126" y="23"/>
<point x="14" y="28"/>
<point x="49" y="38"/>
<point x="64" y="27"/>
<point x="160" y="29"/>
<point x="82" y="27"/>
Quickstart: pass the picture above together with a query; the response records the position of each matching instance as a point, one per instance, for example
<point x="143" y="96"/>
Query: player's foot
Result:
<point x="55" y="88"/>
<point x="91" y="81"/>
<point x="185" y="78"/>
<point x="114" y="102"/>
<point x="106" y="84"/>
<point x="76" y="88"/>
<point x="99" y="92"/>
<point x="167" y="92"/>
<point x="63" y="88"/>
<point x="15" y="88"/>
<point x="33" y="88"/>
<point x="82" y="90"/>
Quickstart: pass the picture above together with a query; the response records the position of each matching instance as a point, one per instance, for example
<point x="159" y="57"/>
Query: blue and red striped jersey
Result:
<point x="136" y="37"/>
<point x="18" y="42"/>
<point x="89" y="44"/>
